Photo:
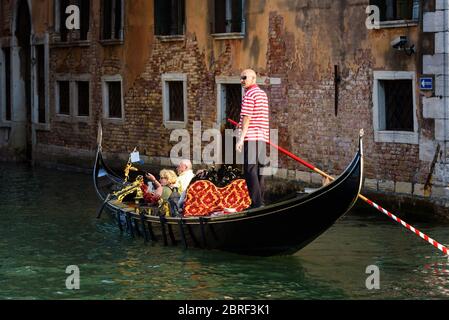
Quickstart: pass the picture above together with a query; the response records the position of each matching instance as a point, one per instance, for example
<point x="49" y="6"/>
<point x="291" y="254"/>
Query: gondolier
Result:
<point x="255" y="132"/>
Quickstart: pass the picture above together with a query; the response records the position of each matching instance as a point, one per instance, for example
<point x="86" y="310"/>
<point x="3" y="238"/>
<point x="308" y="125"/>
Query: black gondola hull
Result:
<point x="280" y="228"/>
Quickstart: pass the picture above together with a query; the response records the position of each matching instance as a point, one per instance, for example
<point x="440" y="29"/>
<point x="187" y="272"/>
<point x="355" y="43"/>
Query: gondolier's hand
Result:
<point x="239" y="146"/>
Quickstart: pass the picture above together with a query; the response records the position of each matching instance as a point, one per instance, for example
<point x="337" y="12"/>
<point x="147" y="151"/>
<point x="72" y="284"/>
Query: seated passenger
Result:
<point x="186" y="175"/>
<point x="166" y="185"/>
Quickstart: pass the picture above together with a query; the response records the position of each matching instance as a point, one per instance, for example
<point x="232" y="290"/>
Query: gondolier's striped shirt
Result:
<point x="255" y="106"/>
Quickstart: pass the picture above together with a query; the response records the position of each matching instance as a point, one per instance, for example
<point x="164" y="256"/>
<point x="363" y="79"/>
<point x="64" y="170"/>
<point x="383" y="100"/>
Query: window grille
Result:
<point x="233" y="102"/>
<point x="391" y="10"/>
<point x="176" y="100"/>
<point x="398" y="95"/>
<point x="115" y="99"/>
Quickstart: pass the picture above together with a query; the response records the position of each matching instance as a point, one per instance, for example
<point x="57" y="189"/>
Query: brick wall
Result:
<point x="302" y="107"/>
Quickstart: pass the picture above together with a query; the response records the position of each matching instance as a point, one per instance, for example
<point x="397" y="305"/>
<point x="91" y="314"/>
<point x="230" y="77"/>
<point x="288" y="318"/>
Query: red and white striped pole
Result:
<point x="425" y="237"/>
<point x="436" y="244"/>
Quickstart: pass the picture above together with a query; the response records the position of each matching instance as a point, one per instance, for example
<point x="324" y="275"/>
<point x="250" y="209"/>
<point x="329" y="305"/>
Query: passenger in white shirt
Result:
<point x="185" y="175"/>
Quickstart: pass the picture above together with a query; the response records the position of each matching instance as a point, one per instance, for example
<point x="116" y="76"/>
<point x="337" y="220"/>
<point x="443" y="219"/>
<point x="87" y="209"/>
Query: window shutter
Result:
<point x="162" y="17"/>
<point x="107" y="19"/>
<point x="220" y="16"/>
<point x="85" y="18"/>
<point x="62" y="17"/>
<point x="118" y="19"/>
<point x="237" y="15"/>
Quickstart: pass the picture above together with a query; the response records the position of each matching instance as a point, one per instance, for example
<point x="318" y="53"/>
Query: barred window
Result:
<point x="391" y="10"/>
<point x="394" y="112"/>
<point x="114" y="99"/>
<point x="398" y="103"/>
<point x="233" y="101"/>
<point x="174" y="99"/>
<point x="169" y="17"/>
<point x="176" y="103"/>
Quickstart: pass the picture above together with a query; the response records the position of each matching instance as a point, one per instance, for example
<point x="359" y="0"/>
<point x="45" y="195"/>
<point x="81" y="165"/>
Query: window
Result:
<point x="6" y="84"/>
<point x="73" y="97"/>
<point x="229" y="16"/>
<point x="112" y="20"/>
<point x="229" y="99"/>
<point x="398" y="104"/>
<point x="169" y="17"/>
<point x="395" y="107"/>
<point x="174" y="95"/>
<point x="82" y="98"/>
<point x="61" y="17"/>
<point x="391" y="10"/>
<point x="176" y="101"/>
<point x="113" y="98"/>
<point x="63" y="98"/>
<point x="40" y="78"/>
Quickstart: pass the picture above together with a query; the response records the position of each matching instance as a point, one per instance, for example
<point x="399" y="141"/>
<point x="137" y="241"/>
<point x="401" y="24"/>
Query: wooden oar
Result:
<point x="436" y="244"/>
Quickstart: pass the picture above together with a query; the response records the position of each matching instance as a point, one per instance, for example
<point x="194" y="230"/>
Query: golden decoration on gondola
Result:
<point x="133" y="187"/>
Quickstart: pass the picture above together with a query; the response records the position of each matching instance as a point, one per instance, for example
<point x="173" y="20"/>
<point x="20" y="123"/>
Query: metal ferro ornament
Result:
<point x="133" y="187"/>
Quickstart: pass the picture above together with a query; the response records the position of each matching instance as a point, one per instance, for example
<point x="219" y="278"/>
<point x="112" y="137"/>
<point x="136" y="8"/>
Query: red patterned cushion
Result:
<point x="204" y="198"/>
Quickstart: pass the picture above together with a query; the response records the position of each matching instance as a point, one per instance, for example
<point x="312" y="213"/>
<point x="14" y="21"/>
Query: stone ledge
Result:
<point x="386" y="185"/>
<point x="303" y="176"/>
<point x="370" y="184"/>
<point x="403" y="187"/>
<point x="316" y="179"/>
<point x="418" y="190"/>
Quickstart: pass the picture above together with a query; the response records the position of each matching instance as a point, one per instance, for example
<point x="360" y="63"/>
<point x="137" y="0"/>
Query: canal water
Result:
<point x="48" y="223"/>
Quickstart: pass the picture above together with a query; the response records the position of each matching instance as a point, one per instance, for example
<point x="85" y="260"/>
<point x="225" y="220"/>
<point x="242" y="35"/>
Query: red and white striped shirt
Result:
<point x="255" y="106"/>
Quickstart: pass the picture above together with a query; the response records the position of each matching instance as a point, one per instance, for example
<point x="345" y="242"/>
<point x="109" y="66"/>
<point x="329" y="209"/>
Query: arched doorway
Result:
<point x="23" y="77"/>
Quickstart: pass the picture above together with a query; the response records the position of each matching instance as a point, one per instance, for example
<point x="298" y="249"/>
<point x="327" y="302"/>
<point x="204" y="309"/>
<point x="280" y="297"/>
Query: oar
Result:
<point x="100" y="210"/>
<point x="433" y="242"/>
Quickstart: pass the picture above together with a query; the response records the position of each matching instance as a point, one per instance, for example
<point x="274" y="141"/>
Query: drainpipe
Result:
<point x="445" y="82"/>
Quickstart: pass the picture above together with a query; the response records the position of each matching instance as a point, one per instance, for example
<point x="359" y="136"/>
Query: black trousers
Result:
<point x="254" y="155"/>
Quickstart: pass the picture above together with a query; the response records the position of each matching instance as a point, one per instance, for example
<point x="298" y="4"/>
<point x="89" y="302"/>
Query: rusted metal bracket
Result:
<point x="337" y="80"/>
<point x="428" y="184"/>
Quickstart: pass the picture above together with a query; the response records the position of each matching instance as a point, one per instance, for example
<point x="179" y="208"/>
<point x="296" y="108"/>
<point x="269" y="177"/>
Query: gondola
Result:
<point x="280" y="228"/>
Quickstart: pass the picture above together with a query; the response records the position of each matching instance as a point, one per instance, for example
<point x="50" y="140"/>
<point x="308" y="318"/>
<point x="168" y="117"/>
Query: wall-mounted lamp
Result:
<point x="401" y="43"/>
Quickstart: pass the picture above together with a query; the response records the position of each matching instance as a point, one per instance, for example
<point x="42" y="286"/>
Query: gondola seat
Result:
<point x="204" y="198"/>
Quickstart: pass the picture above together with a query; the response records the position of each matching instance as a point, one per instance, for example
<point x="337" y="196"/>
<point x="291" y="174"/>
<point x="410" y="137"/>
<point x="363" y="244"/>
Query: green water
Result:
<point x="48" y="223"/>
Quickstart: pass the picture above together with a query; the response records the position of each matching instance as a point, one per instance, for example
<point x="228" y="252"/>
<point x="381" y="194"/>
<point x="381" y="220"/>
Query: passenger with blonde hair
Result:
<point x="164" y="187"/>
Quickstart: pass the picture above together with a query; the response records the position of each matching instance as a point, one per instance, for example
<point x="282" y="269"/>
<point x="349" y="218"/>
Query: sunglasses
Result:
<point x="244" y="78"/>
